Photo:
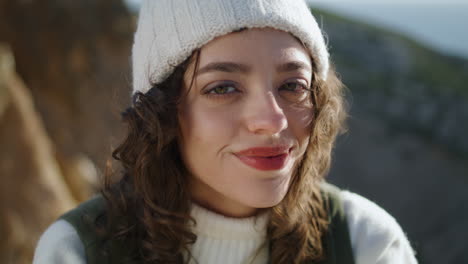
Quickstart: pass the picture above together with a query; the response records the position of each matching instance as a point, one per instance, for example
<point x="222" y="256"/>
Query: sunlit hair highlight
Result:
<point x="298" y="224"/>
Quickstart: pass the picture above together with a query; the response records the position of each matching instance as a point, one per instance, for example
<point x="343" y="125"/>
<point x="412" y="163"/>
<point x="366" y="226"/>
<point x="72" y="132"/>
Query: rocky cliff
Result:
<point x="59" y="108"/>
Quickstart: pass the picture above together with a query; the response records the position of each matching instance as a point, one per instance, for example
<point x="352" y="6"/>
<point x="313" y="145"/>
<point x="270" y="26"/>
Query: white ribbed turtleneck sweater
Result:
<point x="376" y="238"/>
<point x="227" y="240"/>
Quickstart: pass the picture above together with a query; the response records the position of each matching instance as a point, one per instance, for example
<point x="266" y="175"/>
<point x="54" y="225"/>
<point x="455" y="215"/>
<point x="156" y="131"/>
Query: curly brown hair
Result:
<point x="151" y="198"/>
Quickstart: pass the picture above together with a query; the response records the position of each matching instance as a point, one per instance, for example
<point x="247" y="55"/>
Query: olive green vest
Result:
<point x="337" y="242"/>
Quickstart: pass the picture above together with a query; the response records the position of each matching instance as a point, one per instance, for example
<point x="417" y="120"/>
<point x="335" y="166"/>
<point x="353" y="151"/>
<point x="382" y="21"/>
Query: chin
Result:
<point x="267" y="201"/>
<point x="270" y="196"/>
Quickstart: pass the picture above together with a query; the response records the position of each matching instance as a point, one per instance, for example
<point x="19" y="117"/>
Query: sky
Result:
<point x="406" y="2"/>
<point x="439" y="24"/>
<point x="424" y="2"/>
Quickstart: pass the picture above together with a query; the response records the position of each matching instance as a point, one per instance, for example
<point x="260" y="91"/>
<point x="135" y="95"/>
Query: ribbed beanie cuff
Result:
<point x="170" y="30"/>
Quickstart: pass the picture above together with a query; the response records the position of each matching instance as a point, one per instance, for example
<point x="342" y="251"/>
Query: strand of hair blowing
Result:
<point x="151" y="200"/>
<point x="298" y="224"/>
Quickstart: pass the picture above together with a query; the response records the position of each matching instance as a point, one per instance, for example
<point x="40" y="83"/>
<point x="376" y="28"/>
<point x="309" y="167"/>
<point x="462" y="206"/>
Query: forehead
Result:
<point x="254" y="46"/>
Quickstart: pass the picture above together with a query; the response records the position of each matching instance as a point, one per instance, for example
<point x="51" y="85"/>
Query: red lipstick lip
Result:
<point x="265" y="158"/>
<point x="264" y="151"/>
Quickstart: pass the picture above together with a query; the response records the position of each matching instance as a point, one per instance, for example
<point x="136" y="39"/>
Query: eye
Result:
<point x="295" y="86"/>
<point x="295" y="91"/>
<point x="221" y="89"/>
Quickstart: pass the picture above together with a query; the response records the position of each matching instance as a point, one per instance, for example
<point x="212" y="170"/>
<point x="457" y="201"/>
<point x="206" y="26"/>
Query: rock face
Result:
<point x="406" y="147"/>
<point x="32" y="190"/>
<point x="74" y="57"/>
<point x="55" y="135"/>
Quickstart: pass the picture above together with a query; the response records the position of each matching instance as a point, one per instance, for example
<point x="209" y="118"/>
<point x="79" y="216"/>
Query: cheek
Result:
<point x="205" y="128"/>
<point x="301" y="121"/>
<point x="205" y="139"/>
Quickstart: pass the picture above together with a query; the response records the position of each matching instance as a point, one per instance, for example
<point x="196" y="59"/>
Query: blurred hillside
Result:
<point x="441" y="25"/>
<point x="65" y="78"/>
<point x="406" y="147"/>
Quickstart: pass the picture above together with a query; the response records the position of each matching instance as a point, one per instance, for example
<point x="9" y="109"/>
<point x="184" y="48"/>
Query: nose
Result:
<point x="265" y="116"/>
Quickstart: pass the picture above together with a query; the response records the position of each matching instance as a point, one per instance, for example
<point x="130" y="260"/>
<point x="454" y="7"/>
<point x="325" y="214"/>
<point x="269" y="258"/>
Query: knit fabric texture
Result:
<point x="227" y="240"/>
<point x="376" y="238"/>
<point x="170" y="30"/>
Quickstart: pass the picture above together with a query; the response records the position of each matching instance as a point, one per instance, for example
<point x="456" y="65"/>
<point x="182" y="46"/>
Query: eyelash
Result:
<point x="302" y="86"/>
<point x="212" y="93"/>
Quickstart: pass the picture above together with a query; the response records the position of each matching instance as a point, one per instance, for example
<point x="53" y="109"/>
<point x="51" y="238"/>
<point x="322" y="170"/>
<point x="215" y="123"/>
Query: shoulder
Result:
<point x="60" y="243"/>
<point x="66" y="239"/>
<point x="375" y="235"/>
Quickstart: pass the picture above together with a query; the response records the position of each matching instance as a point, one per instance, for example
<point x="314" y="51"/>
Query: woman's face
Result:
<point x="246" y="120"/>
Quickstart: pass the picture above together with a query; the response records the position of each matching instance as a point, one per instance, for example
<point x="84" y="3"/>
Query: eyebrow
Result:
<point x="293" y="66"/>
<point x="231" y="67"/>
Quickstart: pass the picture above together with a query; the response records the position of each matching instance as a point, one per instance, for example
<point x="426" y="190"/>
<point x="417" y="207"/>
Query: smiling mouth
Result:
<point x="265" y="158"/>
<point x="265" y="151"/>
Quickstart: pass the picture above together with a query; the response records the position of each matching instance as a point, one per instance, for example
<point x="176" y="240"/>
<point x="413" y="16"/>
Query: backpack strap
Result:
<point x="337" y="240"/>
<point x="84" y="219"/>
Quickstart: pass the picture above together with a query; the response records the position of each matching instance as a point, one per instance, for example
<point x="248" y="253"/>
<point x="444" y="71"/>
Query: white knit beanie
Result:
<point x="170" y="30"/>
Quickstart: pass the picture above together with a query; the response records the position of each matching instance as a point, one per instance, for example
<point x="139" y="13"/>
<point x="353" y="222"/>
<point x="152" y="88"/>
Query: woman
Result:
<point x="235" y="113"/>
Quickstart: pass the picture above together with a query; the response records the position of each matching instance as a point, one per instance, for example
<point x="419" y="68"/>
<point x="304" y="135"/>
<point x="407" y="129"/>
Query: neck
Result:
<point x="228" y="240"/>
